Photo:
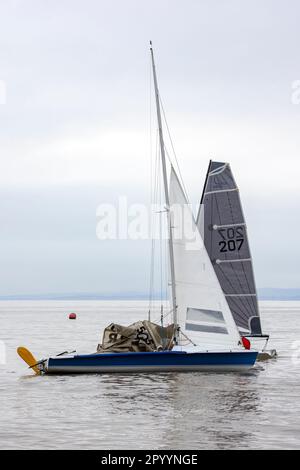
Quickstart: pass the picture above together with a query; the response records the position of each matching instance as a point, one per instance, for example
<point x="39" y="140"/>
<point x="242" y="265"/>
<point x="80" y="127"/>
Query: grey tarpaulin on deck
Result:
<point x="226" y="241"/>
<point x="140" y="336"/>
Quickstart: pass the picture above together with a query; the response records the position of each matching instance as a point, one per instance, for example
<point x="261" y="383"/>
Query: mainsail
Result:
<point x="202" y="311"/>
<point x="221" y="221"/>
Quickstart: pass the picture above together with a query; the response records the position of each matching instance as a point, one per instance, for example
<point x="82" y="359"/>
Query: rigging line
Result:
<point x="172" y="145"/>
<point x="156" y="320"/>
<point x="154" y="170"/>
<point x="150" y="129"/>
<point x="164" y="241"/>
<point x="164" y="316"/>
<point x="164" y="260"/>
<point x="188" y="339"/>
<point x="156" y="200"/>
<point x="151" y="187"/>
<point x="201" y="209"/>
<point x="152" y="245"/>
<point x="156" y="197"/>
<point x="160" y="215"/>
<point x="166" y="274"/>
<point x="211" y="218"/>
<point x="162" y="250"/>
<point x="153" y="225"/>
<point x="169" y="157"/>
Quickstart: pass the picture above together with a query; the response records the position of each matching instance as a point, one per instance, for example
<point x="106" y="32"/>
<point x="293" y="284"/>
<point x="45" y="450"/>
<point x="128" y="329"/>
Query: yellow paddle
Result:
<point x="28" y="358"/>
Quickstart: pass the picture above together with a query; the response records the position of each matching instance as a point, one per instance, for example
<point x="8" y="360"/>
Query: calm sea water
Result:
<point x="259" y="409"/>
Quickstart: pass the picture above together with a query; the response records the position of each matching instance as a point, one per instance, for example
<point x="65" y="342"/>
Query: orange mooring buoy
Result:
<point x="72" y="316"/>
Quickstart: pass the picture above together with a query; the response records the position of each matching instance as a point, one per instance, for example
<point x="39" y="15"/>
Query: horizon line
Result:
<point x="264" y="293"/>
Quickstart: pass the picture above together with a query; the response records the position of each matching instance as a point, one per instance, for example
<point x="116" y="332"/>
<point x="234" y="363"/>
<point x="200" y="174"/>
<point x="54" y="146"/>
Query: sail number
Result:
<point x="232" y="239"/>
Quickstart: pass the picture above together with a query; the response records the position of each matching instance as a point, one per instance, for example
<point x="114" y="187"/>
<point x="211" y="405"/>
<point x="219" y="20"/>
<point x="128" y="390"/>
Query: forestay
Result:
<point x="222" y="224"/>
<point x="202" y="311"/>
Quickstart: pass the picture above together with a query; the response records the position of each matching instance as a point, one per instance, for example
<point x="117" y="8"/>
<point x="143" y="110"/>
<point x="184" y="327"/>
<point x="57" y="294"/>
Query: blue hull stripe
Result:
<point x="167" y="360"/>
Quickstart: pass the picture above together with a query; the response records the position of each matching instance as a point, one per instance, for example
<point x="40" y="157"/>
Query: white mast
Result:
<point x="163" y="159"/>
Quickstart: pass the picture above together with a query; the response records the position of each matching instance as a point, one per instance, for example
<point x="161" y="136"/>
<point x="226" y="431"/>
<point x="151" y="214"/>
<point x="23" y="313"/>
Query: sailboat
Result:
<point x="222" y="224"/>
<point x="204" y="335"/>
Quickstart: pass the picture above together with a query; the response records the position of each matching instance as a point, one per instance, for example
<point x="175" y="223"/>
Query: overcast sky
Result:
<point x="74" y="129"/>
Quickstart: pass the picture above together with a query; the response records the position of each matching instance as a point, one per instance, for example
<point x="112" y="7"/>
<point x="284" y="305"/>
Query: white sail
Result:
<point x="202" y="310"/>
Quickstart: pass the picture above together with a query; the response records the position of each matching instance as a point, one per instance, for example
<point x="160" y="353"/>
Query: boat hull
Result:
<point x="166" y="361"/>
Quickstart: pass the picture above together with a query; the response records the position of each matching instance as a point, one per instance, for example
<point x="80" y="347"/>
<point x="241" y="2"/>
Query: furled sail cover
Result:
<point x="222" y="224"/>
<point x="202" y="311"/>
<point x="138" y="337"/>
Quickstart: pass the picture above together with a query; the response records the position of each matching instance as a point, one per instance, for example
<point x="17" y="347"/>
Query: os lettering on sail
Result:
<point x="296" y="353"/>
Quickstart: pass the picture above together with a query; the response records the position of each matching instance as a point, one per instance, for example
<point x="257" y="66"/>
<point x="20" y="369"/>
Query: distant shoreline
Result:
<point x="263" y="294"/>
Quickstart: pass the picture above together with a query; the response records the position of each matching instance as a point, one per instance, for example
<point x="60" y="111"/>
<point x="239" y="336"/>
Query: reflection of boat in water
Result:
<point x="222" y="224"/>
<point x="202" y="334"/>
<point x="195" y="411"/>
